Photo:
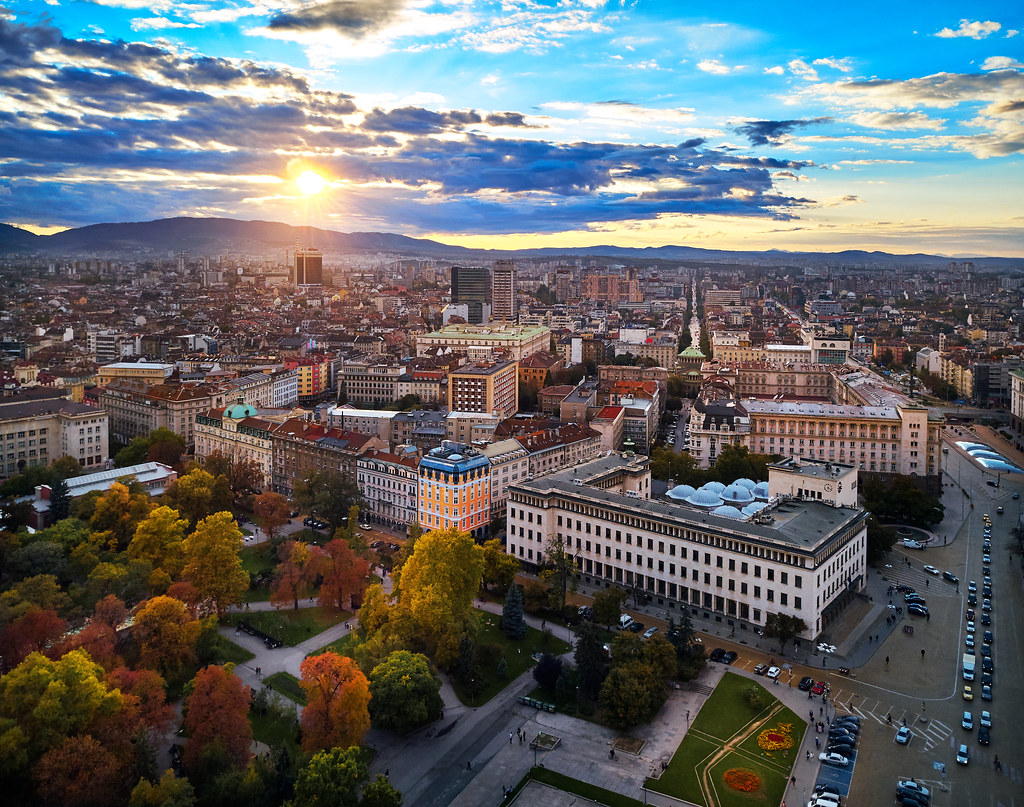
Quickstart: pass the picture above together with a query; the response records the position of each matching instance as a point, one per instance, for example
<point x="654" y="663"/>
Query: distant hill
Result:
<point x="164" y="238"/>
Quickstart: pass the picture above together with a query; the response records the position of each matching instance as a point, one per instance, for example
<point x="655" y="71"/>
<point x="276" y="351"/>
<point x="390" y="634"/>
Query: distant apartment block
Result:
<point x="488" y="387"/>
<point x="37" y="432"/>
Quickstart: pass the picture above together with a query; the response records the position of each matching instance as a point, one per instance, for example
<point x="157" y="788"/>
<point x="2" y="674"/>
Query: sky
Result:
<point x="525" y="123"/>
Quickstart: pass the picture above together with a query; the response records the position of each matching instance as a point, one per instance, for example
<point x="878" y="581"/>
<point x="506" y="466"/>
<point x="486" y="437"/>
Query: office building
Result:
<point x="389" y="485"/>
<point x="491" y="387"/>
<point x="504" y="300"/>
<point x="479" y="342"/>
<point x="471" y="286"/>
<point x="37" y="431"/>
<point x="309" y="267"/>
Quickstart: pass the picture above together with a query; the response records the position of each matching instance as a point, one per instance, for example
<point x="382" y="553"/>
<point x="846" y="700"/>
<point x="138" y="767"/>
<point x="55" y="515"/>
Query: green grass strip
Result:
<point x="288" y="685"/>
<point x="583" y="789"/>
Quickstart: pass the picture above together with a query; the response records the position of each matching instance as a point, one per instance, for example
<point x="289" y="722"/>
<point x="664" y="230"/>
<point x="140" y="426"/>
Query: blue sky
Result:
<point x="539" y="123"/>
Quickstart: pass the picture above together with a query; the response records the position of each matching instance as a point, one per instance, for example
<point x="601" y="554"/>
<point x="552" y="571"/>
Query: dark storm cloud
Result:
<point x="771" y="132"/>
<point x="353" y="17"/>
<point x="416" y="120"/>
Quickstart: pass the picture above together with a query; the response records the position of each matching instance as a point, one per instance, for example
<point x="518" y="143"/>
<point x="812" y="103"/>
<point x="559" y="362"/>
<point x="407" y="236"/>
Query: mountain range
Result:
<point x="164" y="238"/>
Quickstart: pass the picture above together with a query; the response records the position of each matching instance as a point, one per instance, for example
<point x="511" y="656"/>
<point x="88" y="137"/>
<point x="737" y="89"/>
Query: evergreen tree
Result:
<point x="512" y="622"/>
<point x="60" y="500"/>
<point x="564" y="688"/>
<point x="502" y="670"/>
<point x="591" y="661"/>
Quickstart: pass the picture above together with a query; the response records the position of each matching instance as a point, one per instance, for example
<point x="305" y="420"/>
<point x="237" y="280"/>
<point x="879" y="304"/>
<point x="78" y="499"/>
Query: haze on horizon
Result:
<point x="524" y="123"/>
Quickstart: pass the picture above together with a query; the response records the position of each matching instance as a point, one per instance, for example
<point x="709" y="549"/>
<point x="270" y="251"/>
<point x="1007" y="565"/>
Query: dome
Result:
<point x="680" y="492"/>
<point x="754" y="508"/>
<point x="745" y="483"/>
<point x="704" y="498"/>
<point x="737" y="494"/>
<point x="237" y="411"/>
<point x="760" y="491"/>
<point x="728" y="511"/>
<point x="716" y="487"/>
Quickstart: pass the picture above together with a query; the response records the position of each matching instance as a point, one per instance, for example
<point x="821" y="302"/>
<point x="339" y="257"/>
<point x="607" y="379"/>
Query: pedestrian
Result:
<point x="996" y="762"/>
<point x="510" y="738"/>
<point x="469" y="765"/>
<point x="387" y="771"/>
<point x="812" y="715"/>
<point x="792" y="780"/>
<point x="888" y="718"/>
<point x="808" y="756"/>
<point x="869" y="640"/>
<point x="922" y="652"/>
<point x="927" y="617"/>
<point x="817" y="743"/>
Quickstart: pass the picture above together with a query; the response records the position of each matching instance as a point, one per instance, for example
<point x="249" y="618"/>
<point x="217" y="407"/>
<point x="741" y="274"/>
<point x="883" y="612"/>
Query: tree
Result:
<point x="880" y="540"/>
<point x="170" y="791"/>
<point x="245" y="474"/>
<point x="437" y="588"/>
<point x="159" y="538"/>
<point x="625" y="698"/>
<point x="60" y="500"/>
<point x="381" y="793"/>
<point x="343" y="575"/>
<point x="901" y="501"/>
<point x="512" y="622"/>
<point x="217" y="714"/>
<point x="559" y="567"/>
<point x="499" y="567"/>
<point x="271" y="511"/>
<point x="783" y="627"/>
<point x="79" y="772"/>
<point x="330" y="778"/>
<point x="328" y="494"/>
<point x="32" y="632"/>
<point x="199" y="494"/>
<point x="591" y="660"/>
<point x="145" y="697"/>
<point x="42" y="702"/>
<point x="117" y="514"/>
<point x="608" y="606"/>
<point x="547" y="670"/>
<point x="160" y="445"/>
<point x="404" y="693"/>
<point x="212" y="562"/>
<point x="338" y="697"/>
<point x="292" y="580"/>
<point x="167" y="634"/>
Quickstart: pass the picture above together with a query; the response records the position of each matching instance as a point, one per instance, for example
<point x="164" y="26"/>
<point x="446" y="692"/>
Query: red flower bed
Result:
<point x="742" y="779"/>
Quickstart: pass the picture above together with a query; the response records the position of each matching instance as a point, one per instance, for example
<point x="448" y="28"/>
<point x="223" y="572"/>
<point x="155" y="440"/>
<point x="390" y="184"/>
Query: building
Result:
<point x="510" y="463"/>
<point x="833" y="483"/>
<point x="109" y="345"/>
<point x="389" y="485"/>
<point x="471" y="287"/>
<point x="430" y="386"/>
<point x="135" y="413"/>
<point x="312" y="376"/>
<point x="301" y="448"/>
<point x="480" y="342"/>
<point x="610" y="291"/>
<point x="367" y="421"/>
<point x="422" y="428"/>
<point x="369" y="383"/>
<point x="1017" y="408"/>
<point x="240" y="432"/>
<point x="143" y="373"/>
<point x="806" y="559"/>
<point x="504" y="299"/>
<point x="37" y="431"/>
<point x="561" y="447"/>
<point x="609" y="422"/>
<point x="535" y="370"/>
<point x="471" y="427"/>
<point x="309" y="267"/>
<point x="485" y="386"/>
<point x="454" y="490"/>
<point x="661" y="348"/>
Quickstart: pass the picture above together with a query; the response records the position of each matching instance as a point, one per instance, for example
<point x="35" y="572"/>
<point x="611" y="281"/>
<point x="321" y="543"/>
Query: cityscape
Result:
<point x="438" y="402"/>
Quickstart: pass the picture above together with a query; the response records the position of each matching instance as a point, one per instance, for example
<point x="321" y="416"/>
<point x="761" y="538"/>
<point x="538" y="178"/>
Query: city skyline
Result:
<point x="524" y="124"/>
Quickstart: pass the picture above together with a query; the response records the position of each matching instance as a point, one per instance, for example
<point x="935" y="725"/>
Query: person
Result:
<point x="792" y="780"/>
<point x="510" y="738"/>
<point x="888" y="718"/>
<point x="817" y="743"/>
<point x="469" y="765"/>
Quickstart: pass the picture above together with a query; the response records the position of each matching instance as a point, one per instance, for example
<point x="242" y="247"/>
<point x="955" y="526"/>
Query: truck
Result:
<point x="968" y="665"/>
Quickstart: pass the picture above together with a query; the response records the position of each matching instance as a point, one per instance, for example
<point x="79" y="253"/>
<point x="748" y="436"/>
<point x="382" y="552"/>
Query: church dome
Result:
<point x="240" y="410"/>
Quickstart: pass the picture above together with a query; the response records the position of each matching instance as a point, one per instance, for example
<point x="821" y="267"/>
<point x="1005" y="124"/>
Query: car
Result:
<point x="824" y="800"/>
<point x="1016" y="495"/>
<point x="293" y="513"/>
<point x="972" y="586"/>
<point x="988" y="639"/>
<point x="844" y="746"/>
<point x="635" y="626"/>
<point x="908" y="799"/>
<point x="834" y="758"/>
<point x="985" y="719"/>
<point x="968" y="692"/>
<point x="730" y="657"/>
<point x="915" y="608"/>
<point x="986" y="650"/>
<point x="903" y="588"/>
<point x="805" y="683"/>
<point x="986" y="619"/>
<point x="988" y="580"/>
<point x="972" y="599"/>
<point x="852" y="728"/>
<point x="717" y="653"/>
<point x="760" y="669"/>
<point x="999" y="510"/>
<point x="585" y="612"/>
<point x="911" y="598"/>
<point x="365" y="526"/>
<point x="911" y="786"/>
<point x="825" y="647"/>
<point x="848" y="719"/>
<point x="839" y="731"/>
<point x="824" y="788"/>
<point x="986" y="604"/>
<point x="962" y="755"/>
<point x="967" y="721"/>
<point x="931" y="569"/>
<point x="773" y="673"/>
<point x="307" y="522"/>
<point x="983" y="736"/>
<point x="903" y="736"/>
<point x="986" y="559"/>
<point x="986" y="692"/>
<point x="952" y="578"/>
<point x="970" y="613"/>
<point x="650" y="632"/>
<point x="969" y="640"/>
<point x="970" y="627"/>
<point x="986" y="664"/>
<point x="986" y="678"/>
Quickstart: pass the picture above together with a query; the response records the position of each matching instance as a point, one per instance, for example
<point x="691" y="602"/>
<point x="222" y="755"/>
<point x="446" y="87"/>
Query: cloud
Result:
<point x="842" y="65"/>
<point x="1002" y="63"/>
<point x="974" y="30"/>
<point x="896" y="120"/>
<point x="798" y="67"/>
<point x="714" y="67"/>
<point x="353" y="18"/>
<point x="158" y="23"/>
<point x="773" y="132"/>
<point x="777" y="70"/>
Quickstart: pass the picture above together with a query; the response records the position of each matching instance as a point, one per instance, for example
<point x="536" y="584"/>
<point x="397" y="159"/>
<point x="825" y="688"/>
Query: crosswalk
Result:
<point x="931" y="732"/>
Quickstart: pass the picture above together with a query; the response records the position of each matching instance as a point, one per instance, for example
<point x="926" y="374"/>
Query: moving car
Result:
<point x="986" y="692"/>
<point x="983" y="736"/>
<point x="365" y="526"/>
<point x="952" y="578"/>
<point x="915" y="608"/>
<point x="967" y="721"/>
<point x="903" y="736"/>
<point x="968" y="693"/>
<point x="818" y="688"/>
<point x="988" y="637"/>
<point x="985" y="719"/>
<point x="834" y="758"/>
<point x="969" y="640"/>
<point x="650" y="632"/>
<point x="962" y="754"/>
<point x="972" y="586"/>
<point x="931" y="569"/>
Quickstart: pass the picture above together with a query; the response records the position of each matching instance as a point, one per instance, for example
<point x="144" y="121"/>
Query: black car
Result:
<point x="986" y="679"/>
<point x="986" y="619"/>
<point x="952" y="578"/>
<point x="730" y="657"/>
<point x="841" y="732"/>
<point x="806" y="683"/>
<point x="988" y="637"/>
<point x="972" y="599"/>
<point x="902" y="588"/>
<point x="986" y="664"/>
<point x="716" y="654"/>
<point x="983" y="735"/>
<point x="637" y="627"/>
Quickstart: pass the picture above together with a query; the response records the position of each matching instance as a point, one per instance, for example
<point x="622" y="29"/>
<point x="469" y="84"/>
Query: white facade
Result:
<point x="390" y="488"/>
<point x="509" y="464"/>
<point x="40" y="431"/>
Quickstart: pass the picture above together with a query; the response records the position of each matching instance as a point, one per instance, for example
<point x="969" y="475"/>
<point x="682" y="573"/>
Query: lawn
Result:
<point x="255" y="559"/>
<point x="339" y="646"/>
<point x="569" y="785"/>
<point x="726" y="714"/>
<point x="224" y="651"/>
<point x="289" y="625"/>
<point x="517" y="654"/>
<point x="274" y="722"/>
<point x="288" y="685"/>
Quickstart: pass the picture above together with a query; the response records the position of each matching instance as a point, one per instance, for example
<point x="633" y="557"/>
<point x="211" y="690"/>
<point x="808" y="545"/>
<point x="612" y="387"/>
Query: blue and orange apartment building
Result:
<point x="454" y="490"/>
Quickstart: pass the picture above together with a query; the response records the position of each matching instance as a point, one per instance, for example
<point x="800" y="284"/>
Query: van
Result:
<point x="625" y="620"/>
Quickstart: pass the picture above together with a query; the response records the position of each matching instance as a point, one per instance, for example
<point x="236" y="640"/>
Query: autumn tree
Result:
<point x="170" y="791"/>
<point x="159" y="538"/>
<point x="271" y="512"/>
<point x="331" y="777"/>
<point x="338" y="697"/>
<point x="80" y="772"/>
<point x="212" y="562"/>
<point x="42" y="702"/>
<point x="499" y="567"/>
<point x="381" y="793"/>
<point x="437" y="587"/>
<point x="404" y="692"/>
<point x="167" y="634"/>
<point x="145" y="697"/>
<point x="32" y="632"/>
<point x="217" y="718"/>
<point x="40" y="592"/>
<point x="117" y="514"/>
<point x="608" y="606"/>
<point x="292" y="580"/>
<point x="343" y="575"/>
<point x="199" y="494"/>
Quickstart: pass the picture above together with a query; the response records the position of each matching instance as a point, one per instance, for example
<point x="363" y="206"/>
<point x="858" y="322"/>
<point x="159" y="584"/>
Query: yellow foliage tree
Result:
<point x="212" y="562"/>
<point x="117" y="513"/>
<point x="159" y="539"/>
<point x="167" y="633"/>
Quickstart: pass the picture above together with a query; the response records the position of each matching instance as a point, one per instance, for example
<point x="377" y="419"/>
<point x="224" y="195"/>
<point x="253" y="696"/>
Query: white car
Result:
<point x="985" y="720"/>
<point x="824" y="800"/>
<point x="364" y="527"/>
<point x="773" y="673"/>
<point x="903" y="736"/>
<point x="962" y="755"/>
<point x="910" y="784"/>
<point x="931" y="570"/>
<point x="832" y="758"/>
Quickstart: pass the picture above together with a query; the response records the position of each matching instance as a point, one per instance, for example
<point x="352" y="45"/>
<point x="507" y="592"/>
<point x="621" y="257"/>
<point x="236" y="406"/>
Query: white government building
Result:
<point x="734" y="554"/>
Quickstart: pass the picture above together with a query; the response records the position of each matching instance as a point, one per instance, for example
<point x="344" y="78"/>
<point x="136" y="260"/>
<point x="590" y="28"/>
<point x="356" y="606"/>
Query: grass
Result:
<point x="339" y="646"/>
<point x="570" y="785"/>
<point x="289" y="625"/>
<point x="227" y="651"/>
<point x="287" y="685"/>
<point x="254" y="561"/>
<point x="517" y="654"/>
<point x="723" y="715"/>
<point x="274" y="722"/>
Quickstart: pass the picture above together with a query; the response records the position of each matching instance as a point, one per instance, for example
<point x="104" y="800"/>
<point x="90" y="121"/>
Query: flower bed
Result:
<point x="742" y="779"/>
<point x="778" y="738"/>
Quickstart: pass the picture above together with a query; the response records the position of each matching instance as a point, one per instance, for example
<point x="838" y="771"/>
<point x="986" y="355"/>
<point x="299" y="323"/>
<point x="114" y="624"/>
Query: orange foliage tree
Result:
<point x="29" y="633"/>
<point x="338" y="699"/>
<point x="80" y="772"/>
<point x="145" y="700"/>
<point x="271" y="511"/>
<point x="167" y="633"/>
<point x="344" y="576"/>
<point x="292" y="581"/>
<point x="217" y="717"/>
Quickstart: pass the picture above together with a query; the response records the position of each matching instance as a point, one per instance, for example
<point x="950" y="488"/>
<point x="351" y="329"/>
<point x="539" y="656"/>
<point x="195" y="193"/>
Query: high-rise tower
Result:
<point x="309" y="267"/>
<point x="471" y="286"/>
<point x="503" y="291"/>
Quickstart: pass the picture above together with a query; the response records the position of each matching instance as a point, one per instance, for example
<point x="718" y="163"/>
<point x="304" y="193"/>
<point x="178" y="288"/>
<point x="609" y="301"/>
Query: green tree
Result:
<point x="330" y="778"/>
<point x="783" y="627"/>
<point x="160" y="445"/>
<point x="199" y="494"/>
<point x="591" y="660"/>
<point x="547" y="670"/>
<point x="625" y="698"/>
<point x="559" y="567"/>
<point x="327" y="494"/>
<point x="212" y="562"/>
<point x="608" y="606"/>
<point x="512" y="622"/>
<point x="60" y="500"/>
<point x="404" y="693"/>
<point x="381" y="793"/>
<point x="499" y="567"/>
<point x="880" y="540"/>
<point x="170" y="791"/>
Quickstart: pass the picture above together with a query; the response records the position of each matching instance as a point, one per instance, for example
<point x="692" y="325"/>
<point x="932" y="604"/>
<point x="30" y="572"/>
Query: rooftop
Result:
<point x="821" y="410"/>
<point x="471" y="333"/>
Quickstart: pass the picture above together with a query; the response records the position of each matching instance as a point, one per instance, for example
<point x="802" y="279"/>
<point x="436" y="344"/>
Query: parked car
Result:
<point x="962" y="754"/>
<point x="760" y="669"/>
<point x="967" y="721"/>
<point x="730" y="657"/>
<point x="834" y="758"/>
<point x="985" y="719"/>
<point x="818" y="688"/>
<point x="919" y="610"/>
<point x="911" y="786"/>
<point x="805" y="683"/>
<point x="650" y="632"/>
<point x="716" y="654"/>
<point x="903" y="736"/>
<point x="773" y="673"/>
<point x="983" y="736"/>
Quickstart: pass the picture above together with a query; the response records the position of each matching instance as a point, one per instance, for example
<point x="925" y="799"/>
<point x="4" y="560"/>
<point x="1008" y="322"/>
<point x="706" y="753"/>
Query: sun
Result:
<point x="310" y="182"/>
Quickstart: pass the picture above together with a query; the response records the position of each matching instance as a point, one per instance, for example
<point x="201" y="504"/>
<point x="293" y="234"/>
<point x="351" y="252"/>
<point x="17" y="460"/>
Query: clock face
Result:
<point x="828" y="488"/>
